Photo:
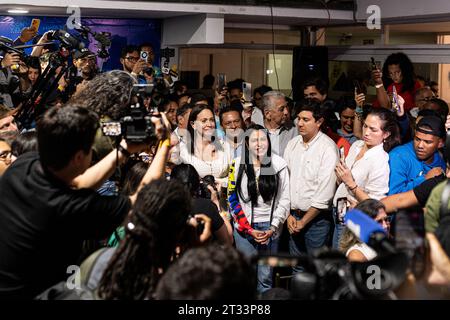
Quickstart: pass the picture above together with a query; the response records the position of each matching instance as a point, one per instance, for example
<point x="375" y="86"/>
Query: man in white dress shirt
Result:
<point x="311" y="158"/>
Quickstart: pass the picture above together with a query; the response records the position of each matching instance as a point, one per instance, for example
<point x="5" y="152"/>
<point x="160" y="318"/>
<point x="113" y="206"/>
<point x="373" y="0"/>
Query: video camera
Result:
<point x="136" y="127"/>
<point x="6" y="44"/>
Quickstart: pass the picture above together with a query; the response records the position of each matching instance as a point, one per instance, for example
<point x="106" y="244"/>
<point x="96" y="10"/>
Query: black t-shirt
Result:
<point x="207" y="207"/>
<point x="43" y="224"/>
<point x="423" y="190"/>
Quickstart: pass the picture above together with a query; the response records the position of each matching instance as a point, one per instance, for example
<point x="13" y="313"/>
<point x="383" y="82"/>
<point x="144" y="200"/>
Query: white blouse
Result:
<point x="371" y="172"/>
<point x="366" y="251"/>
<point x="217" y="167"/>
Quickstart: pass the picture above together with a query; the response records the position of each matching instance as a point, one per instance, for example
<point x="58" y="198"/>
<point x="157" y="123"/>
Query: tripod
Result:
<point x="45" y="85"/>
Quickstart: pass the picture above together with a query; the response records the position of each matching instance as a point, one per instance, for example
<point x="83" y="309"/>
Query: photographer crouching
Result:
<point x="50" y="204"/>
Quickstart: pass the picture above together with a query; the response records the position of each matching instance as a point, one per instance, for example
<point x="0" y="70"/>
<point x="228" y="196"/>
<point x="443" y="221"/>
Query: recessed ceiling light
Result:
<point x="18" y="11"/>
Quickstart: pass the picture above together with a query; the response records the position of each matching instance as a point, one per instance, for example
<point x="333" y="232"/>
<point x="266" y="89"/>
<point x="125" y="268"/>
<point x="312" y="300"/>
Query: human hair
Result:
<point x="107" y="94"/>
<point x="62" y="132"/>
<point x="152" y="233"/>
<point x="320" y="84"/>
<point x="196" y="109"/>
<point x="406" y="67"/>
<point x="230" y="108"/>
<point x="267" y="184"/>
<point x="208" y="273"/>
<point x="178" y="86"/>
<point x="146" y="44"/>
<point x="442" y="106"/>
<point x="181" y="111"/>
<point x="312" y="105"/>
<point x="128" y="49"/>
<point x="235" y="84"/>
<point x="24" y="142"/>
<point x="9" y="136"/>
<point x="134" y="177"/>
<point x="262" y="90"/>
<point x="345" y="102"/>
<point x="420" y="91"/>
<point x="208" y="81"/>
<point x="270" y="97"/>
<point x="4" y="111"/>
<point x="187" y="176"/>
<point x="388" y="124"/>
<point x="34" y="63"/>
<point x="198" y="96"/>
<point x="370" y="207"/>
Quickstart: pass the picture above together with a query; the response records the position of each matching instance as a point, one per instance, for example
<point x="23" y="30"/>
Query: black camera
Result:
<point x="136" y="127"/>
<point x="203" y="191"/>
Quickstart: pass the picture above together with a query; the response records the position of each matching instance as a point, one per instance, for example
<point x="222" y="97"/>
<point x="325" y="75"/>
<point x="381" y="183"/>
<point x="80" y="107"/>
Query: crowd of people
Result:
<point x="220" y="180"/>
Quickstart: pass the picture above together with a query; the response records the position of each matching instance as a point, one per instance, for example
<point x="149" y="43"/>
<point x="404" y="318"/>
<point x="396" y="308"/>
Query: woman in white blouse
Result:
<point x="364" y="173"/>
<point x="202" y="149"/>
<point x="353" y="248"/>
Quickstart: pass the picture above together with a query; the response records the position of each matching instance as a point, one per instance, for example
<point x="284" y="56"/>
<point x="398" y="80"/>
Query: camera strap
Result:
<point x="444" y="200"/>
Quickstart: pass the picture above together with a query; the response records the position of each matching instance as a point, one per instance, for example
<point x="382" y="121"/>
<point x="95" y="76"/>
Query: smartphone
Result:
<point x="395" y="105"/>
<point x="408" y="229"/>
<point x="358" y="88"/>
<point x="342" y="153"/>
<point x="341" y="210"/>
<point x="247" y="91"/>
<point x="35" y="23"/>
<point x="144" y="55"/>
<point x="221" y="81"/>
<point x="373" y="63"/>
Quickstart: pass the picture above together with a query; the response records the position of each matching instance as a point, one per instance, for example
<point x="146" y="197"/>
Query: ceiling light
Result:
<point x="18" y="11"/>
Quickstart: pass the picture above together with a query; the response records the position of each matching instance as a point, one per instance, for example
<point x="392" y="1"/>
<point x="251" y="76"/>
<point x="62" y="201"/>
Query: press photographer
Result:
<point x="58" y="200"/>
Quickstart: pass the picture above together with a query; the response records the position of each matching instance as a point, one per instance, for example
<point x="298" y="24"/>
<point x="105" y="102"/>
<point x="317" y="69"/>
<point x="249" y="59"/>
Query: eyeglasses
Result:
<point x="133" y="59"/>
<point x="5" y="156"/>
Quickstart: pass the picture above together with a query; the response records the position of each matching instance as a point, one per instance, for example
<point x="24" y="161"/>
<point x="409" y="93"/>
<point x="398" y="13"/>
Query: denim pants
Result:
<point x="249" y="248"/>
<point x="314" y="236"/>
<point x="338" y="229"/>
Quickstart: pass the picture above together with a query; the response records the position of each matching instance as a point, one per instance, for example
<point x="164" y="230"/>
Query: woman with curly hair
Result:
<point x="398" y="72"/>
<point x="156" y="228"/>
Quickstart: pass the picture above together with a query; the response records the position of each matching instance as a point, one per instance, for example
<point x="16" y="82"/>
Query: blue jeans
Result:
<point x="338" y="229"/>
<point x="314" y="236"/>
<point x="249" y="248"/>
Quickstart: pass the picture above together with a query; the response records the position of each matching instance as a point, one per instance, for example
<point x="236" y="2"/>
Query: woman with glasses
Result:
<point x="398" y="73"/>
<point x="5" y="156"/>
<point x="354" y="249"/>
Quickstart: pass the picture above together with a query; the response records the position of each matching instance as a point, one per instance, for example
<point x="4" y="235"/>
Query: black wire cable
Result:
<point x="273" y="47"/>
<point x="328" y="22"/>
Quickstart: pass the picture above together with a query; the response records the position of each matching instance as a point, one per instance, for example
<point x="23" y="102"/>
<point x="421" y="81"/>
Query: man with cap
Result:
<point x="419" y="160"/>
<point x="85" y="66"/>
<point x="86" y="63"/>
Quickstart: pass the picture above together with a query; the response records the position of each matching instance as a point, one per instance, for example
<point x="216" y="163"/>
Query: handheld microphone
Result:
<point x="368" y="230"/>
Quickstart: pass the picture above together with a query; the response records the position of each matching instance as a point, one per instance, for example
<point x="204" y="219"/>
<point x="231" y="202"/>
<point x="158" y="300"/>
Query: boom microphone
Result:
<point x="368" y="230"/>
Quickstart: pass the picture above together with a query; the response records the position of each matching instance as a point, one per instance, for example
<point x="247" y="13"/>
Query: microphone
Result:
<point x="368" y="230"/>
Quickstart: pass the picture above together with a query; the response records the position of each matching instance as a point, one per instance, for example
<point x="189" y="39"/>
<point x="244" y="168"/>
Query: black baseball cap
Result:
<point x="432" y="125"/>
<point x="85" y="52"/>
